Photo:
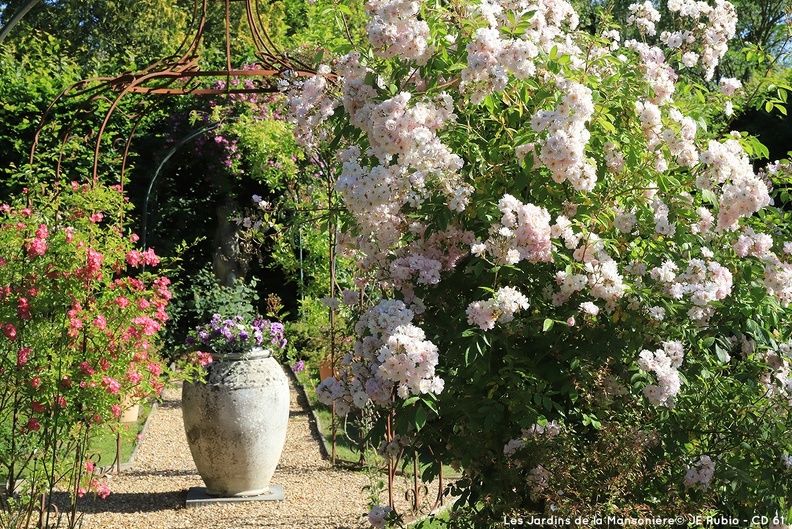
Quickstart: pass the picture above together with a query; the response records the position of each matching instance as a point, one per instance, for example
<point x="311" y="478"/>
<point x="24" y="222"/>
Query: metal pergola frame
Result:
<point x="179" y="74"/>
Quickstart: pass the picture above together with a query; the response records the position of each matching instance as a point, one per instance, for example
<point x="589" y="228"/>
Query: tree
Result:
<point x="106" y="34"/>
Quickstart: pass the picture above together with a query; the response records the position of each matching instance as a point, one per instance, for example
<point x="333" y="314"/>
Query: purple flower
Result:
<point x="276" y="334"/>
<point x="235" y="335"/>
<point x="299" y="366"/>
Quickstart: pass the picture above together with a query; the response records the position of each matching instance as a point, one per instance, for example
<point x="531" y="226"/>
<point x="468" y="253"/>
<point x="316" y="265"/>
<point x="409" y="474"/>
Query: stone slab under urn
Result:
<point x="197" y="497"/>
<point x="236" y="423"/>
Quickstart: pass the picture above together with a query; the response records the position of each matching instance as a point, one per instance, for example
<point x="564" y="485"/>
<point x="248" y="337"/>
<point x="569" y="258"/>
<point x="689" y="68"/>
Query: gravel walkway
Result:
<point x="152" y="495"/>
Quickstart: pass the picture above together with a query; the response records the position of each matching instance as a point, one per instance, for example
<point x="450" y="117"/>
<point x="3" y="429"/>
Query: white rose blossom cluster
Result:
<point x="537" y="480"/>
<point x="500" y="308"/>
<point x="702" y="282"/>
<point x="711" y="36"/>
<point x="743" y="193"/>
<point x="644" y="16"/>
<point x="664" y="363"/>
<point x="786" y="459"/>
<point x="394" y="30"/>
<point x="536" y="431"/>
<point x="423" y="260"/>
<point x="309" y="106"/>
<point x="700" y="475"/>
<point x="392" y="354"/>
<point x="602" y="274"/>
<point x="523" y="233"/>
<point x="656" y="71"/>
<point x="413" y="161"/>
<point x="563" y="150"/>
<point x="492" y="56"/>
<point x="778" y="380"/>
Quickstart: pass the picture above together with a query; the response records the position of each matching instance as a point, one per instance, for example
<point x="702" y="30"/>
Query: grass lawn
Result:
<point x="104" y="445"/>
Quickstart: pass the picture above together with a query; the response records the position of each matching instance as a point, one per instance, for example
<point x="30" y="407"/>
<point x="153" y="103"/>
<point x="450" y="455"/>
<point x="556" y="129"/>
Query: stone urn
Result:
<point x="236" y="422"/>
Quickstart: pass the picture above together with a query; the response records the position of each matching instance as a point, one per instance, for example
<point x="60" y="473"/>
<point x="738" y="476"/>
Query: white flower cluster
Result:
<point x="778" y="280"/>
<point x="394" y="447"/>
<point x="702" y="282"/>
<point x="786" y="459"/>
<point x="721" y="28"/>
<point x="309" y="106"/>
<point x="757" y="245"/>
<point x="700" y="475"/>
<point x="743" y="193"/>
<point x="660" y="76"/>
<point x="682" y="145"/>
<point x="568" y="284"/>
<point x="777" y="273"/>
<point x="390" y="353"/>
<point x="537" y="480"/>
<point x="644" y="16"/>
<point x="492" y="56"/>
<point x="625" y="221"/>
<point x="500" y="308"/>
<point x="605" y="281"/>
<point x="662" y="225"/>
<point x="403" y="132"/>
<point x="394" y="30"/>
<point x="601" y="271"/>
<point x="778" y="380"/>
<point x="563" y="151"/>
<point x="729" y="85"/>
<point x="664" y="363"/>
<point x="523" y="233"/>
<point x="711" y="35"/>
<point x="423" y="260"/>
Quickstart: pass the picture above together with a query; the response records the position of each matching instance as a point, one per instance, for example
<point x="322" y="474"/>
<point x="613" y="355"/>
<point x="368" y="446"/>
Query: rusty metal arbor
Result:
<point x="84" y="111"/>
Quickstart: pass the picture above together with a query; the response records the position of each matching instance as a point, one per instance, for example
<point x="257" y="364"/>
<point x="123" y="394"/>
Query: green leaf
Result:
<point x="722" y="354"/>
<point x="420" y="418"/>
<point x="547" y="325"/>
<point x="410" y="401"/>
<point x="709" y="196"/>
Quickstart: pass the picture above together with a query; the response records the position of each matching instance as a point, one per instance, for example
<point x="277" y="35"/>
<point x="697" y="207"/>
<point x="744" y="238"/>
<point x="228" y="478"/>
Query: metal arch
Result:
<point x="16" y="18"/>
<point x="178" y="74"/>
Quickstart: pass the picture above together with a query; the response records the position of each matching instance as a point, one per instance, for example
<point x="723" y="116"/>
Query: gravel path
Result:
<point x="152" y="495"/>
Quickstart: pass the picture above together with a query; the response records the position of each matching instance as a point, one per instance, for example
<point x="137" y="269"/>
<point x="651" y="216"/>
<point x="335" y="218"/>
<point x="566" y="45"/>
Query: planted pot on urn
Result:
<point x="235" y="418"/>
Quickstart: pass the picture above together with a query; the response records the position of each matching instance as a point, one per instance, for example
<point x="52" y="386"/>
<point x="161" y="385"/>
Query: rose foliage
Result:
<point x="79" y="310"/>
<point x="585" y="283"/>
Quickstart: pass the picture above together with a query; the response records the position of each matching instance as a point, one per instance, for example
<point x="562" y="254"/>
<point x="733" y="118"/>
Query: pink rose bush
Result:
<point x="559" y="233"/>
<point x="79" y="319"/>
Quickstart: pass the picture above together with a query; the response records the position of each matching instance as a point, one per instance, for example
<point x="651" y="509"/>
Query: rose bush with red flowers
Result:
<point x="79" y="311"/>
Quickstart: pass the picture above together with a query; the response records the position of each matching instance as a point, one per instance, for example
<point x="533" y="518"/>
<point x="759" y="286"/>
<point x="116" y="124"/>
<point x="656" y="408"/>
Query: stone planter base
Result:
<point x="197" y="497"/>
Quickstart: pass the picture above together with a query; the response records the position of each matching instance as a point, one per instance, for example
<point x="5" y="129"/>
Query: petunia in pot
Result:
<point x="236" y="415"/>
